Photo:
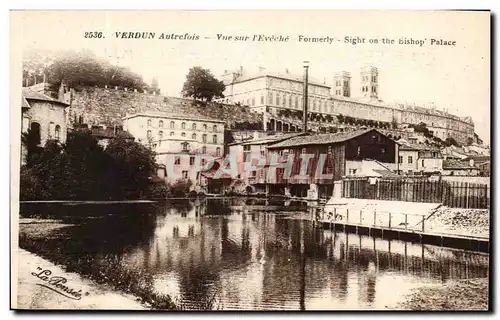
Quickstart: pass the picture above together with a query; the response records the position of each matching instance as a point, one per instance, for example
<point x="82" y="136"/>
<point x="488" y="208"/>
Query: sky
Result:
<point x="453" y="77"/>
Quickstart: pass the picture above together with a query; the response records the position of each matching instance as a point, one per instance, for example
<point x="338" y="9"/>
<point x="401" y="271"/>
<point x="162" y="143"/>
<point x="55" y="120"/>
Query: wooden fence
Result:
<point x="452" y="194"/>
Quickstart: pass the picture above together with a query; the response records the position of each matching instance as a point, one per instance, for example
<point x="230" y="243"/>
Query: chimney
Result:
<point x="286" y="70"/>
<point x="241" y="70"/>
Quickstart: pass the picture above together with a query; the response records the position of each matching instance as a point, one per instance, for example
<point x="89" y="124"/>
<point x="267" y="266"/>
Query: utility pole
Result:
<point x="305" y="94"/>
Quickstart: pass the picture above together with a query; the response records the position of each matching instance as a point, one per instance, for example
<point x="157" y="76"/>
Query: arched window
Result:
<point x="183" y="125"/>
<point x="58" y="132"/>
<point x="193" y="126"/>
<point x="171" y="133"/>
<point x="172" y="125"/>
<point x="149" y="134"/>
<point x="194" y="136"/>
<point x="204" y="138"/>
<point x="277" y="99"/>
<point x="35" y="131"/>
<point x="261" y="99"/>
<point x="204" y="150"/>
<point x="204" y="127"/>
<point x="217" y="152"/>
<point x="215" y="128"/>
<point x="149" y="122"/>
<point x="214" y="138"/>
<point x="160" y="123"/>
<point x="183" y="134"/>
<point x="160" y="135"/>
<point x="51" y="130"/>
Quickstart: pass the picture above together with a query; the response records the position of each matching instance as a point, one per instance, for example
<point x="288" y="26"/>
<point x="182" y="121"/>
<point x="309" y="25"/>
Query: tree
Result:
<point x="200" y="84"/>
<point x="340" y="117"/>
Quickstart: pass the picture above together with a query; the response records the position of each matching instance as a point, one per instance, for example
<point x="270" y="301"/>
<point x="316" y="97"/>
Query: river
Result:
<point x="251" y="254"/>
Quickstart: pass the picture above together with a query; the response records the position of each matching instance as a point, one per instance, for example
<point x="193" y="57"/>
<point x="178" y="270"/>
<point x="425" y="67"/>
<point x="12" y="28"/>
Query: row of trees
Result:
<point x="79" y="69"/>
<point x="81" y="169"/>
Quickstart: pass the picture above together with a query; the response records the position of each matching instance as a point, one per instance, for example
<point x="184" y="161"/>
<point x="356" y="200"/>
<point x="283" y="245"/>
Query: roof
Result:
<point x="454" y="164"/>
<point x="417" y="146"/>
<point x="479" y="158"/>
<point x="168" y="115"/>
<point x="279" y="75"/>
<point x="33" y="95"/>
<point x="24" y="103"/>
<point x="324" y="138"/>
<point x="268" y="139"/>
<point x="386" y="173"/>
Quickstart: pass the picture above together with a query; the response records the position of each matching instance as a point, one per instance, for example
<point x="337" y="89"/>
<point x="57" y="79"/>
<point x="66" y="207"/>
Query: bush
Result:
<point x="179" y="188"/>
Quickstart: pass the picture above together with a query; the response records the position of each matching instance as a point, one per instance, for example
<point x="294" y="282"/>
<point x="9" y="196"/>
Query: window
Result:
<point x="160" y="135"/>
<point x="193" y="126"/>
<point x="149" y="122"/>
<point x="262" y="153"/>
<point x="359" y="151"/>
<point x="214" y="128"/>
<point x="184" y="174"/>
<point x="261" y="99"/>
<point x="149" y="134"/>
<point x="410" y="159"/>
<point x="183" y="125"/>
<point x="204" y="150"/>
<point x="51" y="130"/>
<point x="422" y="162"/>
<point x="217" y="152"/>
<point x="246" y="147"/>
<point x="214" y="138"/>
<point x="253" y="101"/>
<point x="400" y="159"/>
<point x="194" y="136"/>
<point x="296" y="102"/>
<point x="172" y="125"/>
<point x="277" y="99"/>
<point x="204" y="127"/>
<point x="177" y="160"/>
<point x="303" y="150"/>
<point x="171" y="133"/>
<point x="204" y="138"/>
<point x="58" y="132"/>
<point x="329" y="149"/>
<point x="160" y="124"/>
<point x="191" y="160"/>
<point x="185" y="146"/>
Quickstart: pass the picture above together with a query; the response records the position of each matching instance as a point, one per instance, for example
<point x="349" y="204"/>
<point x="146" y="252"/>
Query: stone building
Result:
<point x="44" y="116"/>
<point x="278" y="96"/>
<point x="177" y="139"/>
<point x="419" y="159"/>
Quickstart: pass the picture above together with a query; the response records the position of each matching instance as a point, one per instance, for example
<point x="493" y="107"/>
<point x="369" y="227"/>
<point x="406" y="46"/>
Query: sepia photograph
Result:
<point x="250" y="160"/>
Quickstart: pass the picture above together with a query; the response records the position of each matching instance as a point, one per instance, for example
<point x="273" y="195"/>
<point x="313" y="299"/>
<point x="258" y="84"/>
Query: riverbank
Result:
<point x="458" y="295"/>
<point x="38" y="288"/>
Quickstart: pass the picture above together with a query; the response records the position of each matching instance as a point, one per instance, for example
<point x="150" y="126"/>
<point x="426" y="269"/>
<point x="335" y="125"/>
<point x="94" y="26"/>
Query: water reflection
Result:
<point x="247" y="257"/>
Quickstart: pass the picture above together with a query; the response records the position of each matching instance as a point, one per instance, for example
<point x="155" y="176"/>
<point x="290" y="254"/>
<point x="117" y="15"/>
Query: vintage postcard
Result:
<point x="250" y="160"/>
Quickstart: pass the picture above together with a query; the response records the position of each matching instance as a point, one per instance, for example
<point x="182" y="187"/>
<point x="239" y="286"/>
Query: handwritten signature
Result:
<point x="56" y="284"/>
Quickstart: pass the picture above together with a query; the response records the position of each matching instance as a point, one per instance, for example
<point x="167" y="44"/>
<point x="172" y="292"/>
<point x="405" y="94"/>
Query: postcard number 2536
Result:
<point x="93" y="34"/>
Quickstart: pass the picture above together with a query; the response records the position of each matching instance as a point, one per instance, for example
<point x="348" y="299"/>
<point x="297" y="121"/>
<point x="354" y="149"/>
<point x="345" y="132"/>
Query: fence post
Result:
<point x="375" y="217"/>
<point x="360" y="216"/>
<point x="347" y="216"/>
<point x="406" y="221"/>
<point x="390" y="216"/>
<point x="423" y="223"/>
<point x="467" y="195"/>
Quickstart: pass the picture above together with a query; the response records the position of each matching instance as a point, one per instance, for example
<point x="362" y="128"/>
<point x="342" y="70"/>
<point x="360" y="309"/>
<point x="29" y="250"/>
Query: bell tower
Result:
<point x="342" y="84"/>
<point x="369" y="82"/>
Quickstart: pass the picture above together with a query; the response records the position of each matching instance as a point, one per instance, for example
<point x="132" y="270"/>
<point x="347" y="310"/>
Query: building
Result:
<point x="254" y="152"/>
<point x="353" y="153"/>
<point x="459" y="168"/>
<point x="278" y="96"/>
<point x="177" y="140"/>
<point x="419" y="159"/>
<point x="43" y="116"/>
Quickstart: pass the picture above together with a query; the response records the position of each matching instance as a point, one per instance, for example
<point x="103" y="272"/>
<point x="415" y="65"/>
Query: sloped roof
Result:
<point x="324" y="138"/>
<point x="454" y="164"/>
<point x="24" y="103"/>
<point x="286" y="76"/>
<point x="386" y="173"/>
<point x="417" y="146"/>
<point x="178" y="116"/>
<point x="33" y="95"/>
<point x="269" y="139"/>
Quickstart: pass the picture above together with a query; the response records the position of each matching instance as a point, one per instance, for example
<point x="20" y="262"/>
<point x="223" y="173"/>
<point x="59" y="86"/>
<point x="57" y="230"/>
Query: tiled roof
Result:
<point x="169" y="115"/>
<point x="269" y="139"/>
<point x="324" y="138"/>
<point x="286" y="76"/>
<point x="417" y="146"/>
<point x="454" y="164"/>
<point x="386" y="173"/>
<point x="33" y="95"/>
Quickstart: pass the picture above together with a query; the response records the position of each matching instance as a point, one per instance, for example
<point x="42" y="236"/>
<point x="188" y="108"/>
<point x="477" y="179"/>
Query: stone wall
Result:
<point x="108" y="106"/>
